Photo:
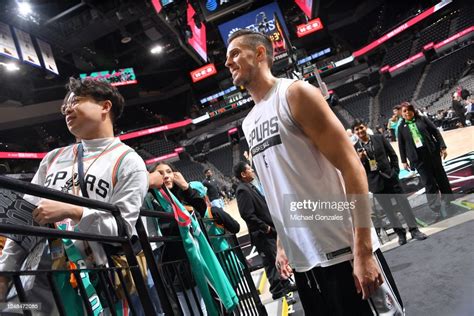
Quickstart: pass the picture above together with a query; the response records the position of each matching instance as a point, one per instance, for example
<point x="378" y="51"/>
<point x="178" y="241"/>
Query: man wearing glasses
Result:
<point x="112" y="172"/>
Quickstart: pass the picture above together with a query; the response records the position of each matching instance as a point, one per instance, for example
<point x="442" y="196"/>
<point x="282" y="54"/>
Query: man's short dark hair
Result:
<point x="356" y="123"/>
<point x="397" y="107"/>
<point x="206" y="170"/>
<point x="253" y="39"/>
<point x="99" y="91"/>
<point x="239" y="168"/>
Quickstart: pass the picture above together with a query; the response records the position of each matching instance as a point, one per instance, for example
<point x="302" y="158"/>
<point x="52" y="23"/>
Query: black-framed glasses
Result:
<point x="71" y="103"/>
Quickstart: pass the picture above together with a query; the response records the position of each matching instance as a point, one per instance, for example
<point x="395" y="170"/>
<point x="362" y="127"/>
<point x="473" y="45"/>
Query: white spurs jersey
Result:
<point x="118" y="176"/>
<point x="304" y="191"/>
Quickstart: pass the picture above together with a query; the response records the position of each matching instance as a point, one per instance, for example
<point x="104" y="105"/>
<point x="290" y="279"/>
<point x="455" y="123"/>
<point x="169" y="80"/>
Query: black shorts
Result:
<point x="331" y="291"/>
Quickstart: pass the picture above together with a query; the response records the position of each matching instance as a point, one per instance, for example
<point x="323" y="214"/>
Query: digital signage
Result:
<point x="306" y="6"/>
<point x="198" y="40"/>
<point x="261" y="20"/>
<point x="118" y="77"/>
<point x="203" y="72"/>
<point x="213" y="9"/>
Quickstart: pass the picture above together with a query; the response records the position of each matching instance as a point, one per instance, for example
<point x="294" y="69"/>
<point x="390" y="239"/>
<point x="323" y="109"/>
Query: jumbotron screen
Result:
<point x="119" y="77"/>
<point x="263" y="20"/>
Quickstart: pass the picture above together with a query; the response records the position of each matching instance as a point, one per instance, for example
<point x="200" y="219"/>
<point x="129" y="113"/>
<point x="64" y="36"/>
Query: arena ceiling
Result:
<point x="88" y="35"/>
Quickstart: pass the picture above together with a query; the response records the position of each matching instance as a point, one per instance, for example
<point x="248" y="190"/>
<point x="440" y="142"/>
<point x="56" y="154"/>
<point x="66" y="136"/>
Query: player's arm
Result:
<point x="313" y="115"/>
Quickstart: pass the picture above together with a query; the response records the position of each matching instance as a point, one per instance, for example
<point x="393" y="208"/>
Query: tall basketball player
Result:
<point x="306" y="162"/>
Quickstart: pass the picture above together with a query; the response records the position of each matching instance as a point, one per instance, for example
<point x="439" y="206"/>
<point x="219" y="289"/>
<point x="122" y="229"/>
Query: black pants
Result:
<point x="393" y="137"/>
<point x="331" y="291"/>
<point x="266" y="247"/>
<point x="434" y="178"/>
<point x="393" y="190"/>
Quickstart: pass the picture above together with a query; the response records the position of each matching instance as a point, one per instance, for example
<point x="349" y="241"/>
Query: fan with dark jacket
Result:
<point x="420" y="142"/>
<point x="254" y="210"/>
<point x="381" y="166"/>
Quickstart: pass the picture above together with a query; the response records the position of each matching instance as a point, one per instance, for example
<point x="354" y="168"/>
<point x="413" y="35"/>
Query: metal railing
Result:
<point x="168" y="277"/>
<point x="101" y="272"/>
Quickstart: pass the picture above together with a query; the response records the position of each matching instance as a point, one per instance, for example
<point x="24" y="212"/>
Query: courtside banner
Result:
<point x="14" y="210"/>
<point x="7" y="44"/>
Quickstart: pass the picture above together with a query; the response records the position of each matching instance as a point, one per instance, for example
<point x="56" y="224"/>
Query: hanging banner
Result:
<point x="27" y="49"/>
<point x="7" y="44"/>
<point x="47" y="55"/>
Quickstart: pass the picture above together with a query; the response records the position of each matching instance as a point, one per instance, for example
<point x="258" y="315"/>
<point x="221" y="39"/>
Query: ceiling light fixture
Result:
<point x="24" y="8"/>
<point x="157" y="49"/>
<point x="126" y="38"/>
<point x="10" y="67"/>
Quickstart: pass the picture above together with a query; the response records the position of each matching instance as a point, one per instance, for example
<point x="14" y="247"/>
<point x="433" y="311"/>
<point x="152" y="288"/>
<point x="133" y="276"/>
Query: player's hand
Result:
<point x="444" y="153"/>
<point x="282" y="264"/>
<point x="180" y="181"/>
<point x="3" y="288"/>
<point x="155" y="180"/>
<point x="406" y="166"/>
<point x="50" y="212"/>
<point x="367" y="275"/>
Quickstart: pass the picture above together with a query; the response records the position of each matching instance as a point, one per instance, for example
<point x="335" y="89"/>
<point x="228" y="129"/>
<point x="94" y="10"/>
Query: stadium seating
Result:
<point x="445" y="101"/>
<point x="436" y="32"/>
<point x="159" y="147"/>
<point x="222" y="159"/>
<point x="357" y="105"/>
<point x="463" y="20"/>
<point x="218" y="140"/>
<point x="344" y="117"/>
<point x="398" y="89"/>
<point x="346" y="89"/>
<point x="442" y="74"/>
<point x="144" y="154"/>
<point x="398" y="53"/>
<point x="192" y="171"/>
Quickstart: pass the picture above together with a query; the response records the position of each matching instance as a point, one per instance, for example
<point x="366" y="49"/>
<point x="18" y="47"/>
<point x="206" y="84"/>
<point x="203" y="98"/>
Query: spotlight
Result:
<point x="24" y="8"/>
<point x="157" y="49"/>
<point x="10" y="67"/>
<point x="126" y="38"/>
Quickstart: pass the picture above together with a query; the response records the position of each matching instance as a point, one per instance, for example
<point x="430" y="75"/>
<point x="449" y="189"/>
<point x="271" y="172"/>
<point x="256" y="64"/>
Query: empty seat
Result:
<point x="357" y="105"/>
<point x="398" y="53"/>
<point x="221" y="158"/>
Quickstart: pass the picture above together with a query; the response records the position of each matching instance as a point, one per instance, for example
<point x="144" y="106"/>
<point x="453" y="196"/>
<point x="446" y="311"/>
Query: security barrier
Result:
<point x="168" y="278"/>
